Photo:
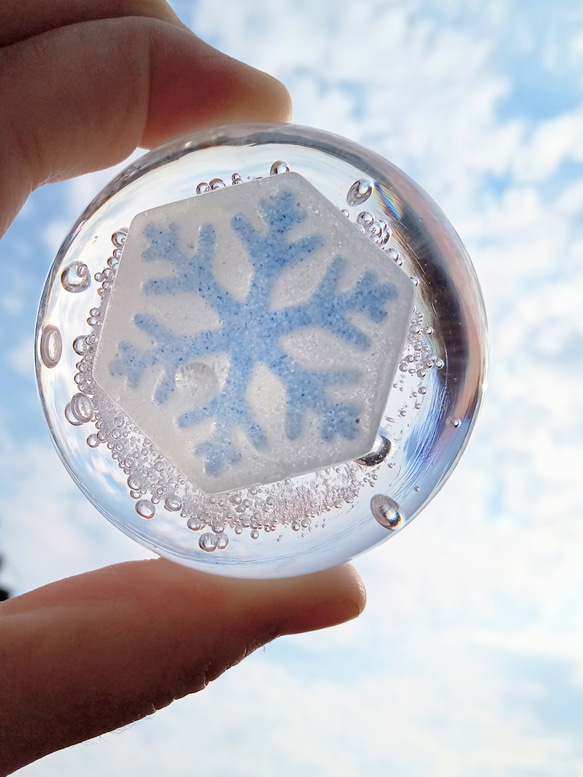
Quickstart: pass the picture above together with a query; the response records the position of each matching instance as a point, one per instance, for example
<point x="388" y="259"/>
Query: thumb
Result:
<point x="95" y="652"/>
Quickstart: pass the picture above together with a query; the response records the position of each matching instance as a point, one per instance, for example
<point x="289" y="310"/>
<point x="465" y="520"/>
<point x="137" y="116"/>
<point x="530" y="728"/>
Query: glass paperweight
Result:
<point x="261" y="350"/>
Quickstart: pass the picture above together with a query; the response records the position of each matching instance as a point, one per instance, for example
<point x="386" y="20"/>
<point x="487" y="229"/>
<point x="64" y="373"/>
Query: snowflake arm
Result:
<point x="229" y="410"/>
<point x="172" y="350"/>
<point x="192" y="274"/>
<point x="219" y="451"/>
<point x="270" y="252"/>
<point x="329" y="308"/>
<point x="164" y="244"/>
<point x="308" y="390"/>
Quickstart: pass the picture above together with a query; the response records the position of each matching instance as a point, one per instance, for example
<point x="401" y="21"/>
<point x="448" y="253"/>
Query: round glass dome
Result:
<point x="261" y="350"/>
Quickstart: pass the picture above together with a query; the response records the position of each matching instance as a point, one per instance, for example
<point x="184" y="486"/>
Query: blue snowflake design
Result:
<point x="250" y="332"/>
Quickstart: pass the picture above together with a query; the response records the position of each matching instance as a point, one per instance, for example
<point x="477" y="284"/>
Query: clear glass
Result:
<point x="306" y="523"/>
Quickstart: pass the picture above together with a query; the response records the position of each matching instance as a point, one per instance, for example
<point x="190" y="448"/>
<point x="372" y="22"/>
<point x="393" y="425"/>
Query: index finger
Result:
<point x="83" y="96"/>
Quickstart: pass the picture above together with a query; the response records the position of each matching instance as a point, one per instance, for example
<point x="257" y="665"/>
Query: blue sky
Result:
<point x="469" y="658"/>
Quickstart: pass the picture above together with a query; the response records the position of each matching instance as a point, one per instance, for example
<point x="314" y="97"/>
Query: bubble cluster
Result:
<point x="418" y="356"/>
<point x="217" y="183"/>
<point x="377" y="230"/>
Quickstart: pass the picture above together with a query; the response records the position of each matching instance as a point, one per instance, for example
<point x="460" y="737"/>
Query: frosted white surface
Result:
<point x="253" y="333"/>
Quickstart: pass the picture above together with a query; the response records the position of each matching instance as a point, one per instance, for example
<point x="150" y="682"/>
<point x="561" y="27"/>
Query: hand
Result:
<point x="81" y="85"/>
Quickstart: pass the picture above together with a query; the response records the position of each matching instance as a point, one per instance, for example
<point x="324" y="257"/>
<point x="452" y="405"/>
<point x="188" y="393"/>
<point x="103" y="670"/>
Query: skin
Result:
<point x="85" y="83"/>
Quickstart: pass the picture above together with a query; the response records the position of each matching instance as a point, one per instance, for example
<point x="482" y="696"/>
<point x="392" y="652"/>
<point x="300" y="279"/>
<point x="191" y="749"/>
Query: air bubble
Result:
<point x="365" y="218"/>
<point x="51" y="346"/>
<point x="456" y="423"/>
<point x="70" y="417"/>
<point x="386" y="511"/>
<point x="359" y="192"/>
<point x="254" y="534"/>
<point x="203" y="188"/>
<point x="81" y="408"/>
<point x="93" y="441"/>
<point x="145" y="509"/>
<point x="235" y="179"/>
<point x="393" y="254"/>
<point x="208" y="542"/>
<point x="222" y="542"/>
<point x="217" y="183"/>
<point x="375" y="233"/>
<point x="279" y="167"/>
<point x="76" y="277"/>
<point x="173" y="503"/>
<point x="80" y="345"/>
<point x="379" y="452"/>
<point x="119" y="238"/>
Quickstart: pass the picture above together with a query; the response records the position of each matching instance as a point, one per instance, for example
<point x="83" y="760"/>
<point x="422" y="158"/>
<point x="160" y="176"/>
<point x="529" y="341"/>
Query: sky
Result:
<point x="469" y="657"/>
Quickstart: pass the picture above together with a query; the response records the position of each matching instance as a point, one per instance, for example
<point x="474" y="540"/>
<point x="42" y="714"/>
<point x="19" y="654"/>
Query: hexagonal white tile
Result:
<point x="253" y="333"/>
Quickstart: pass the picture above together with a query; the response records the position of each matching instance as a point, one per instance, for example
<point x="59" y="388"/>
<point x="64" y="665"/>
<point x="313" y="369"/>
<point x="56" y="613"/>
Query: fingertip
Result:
<point x="273" y="607"/>
<point x="194" y="85"/>
<point x="323" y="600"/>
<point x="311" y="602"/>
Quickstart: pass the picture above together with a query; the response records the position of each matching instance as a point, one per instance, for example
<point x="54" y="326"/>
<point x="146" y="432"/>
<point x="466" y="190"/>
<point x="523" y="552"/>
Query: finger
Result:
<point x="95" y="652"/>
<point x="21" y="19"/>
<point x="84" y="96"/>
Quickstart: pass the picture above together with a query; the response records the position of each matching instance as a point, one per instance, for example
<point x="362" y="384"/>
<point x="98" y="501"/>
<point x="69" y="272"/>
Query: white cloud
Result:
<point x="490" y="575"/>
